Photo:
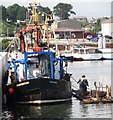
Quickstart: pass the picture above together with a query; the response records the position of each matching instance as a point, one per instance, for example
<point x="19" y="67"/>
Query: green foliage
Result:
<point x="16" y="12"/>
<point x="4" y="44"/>
<point x="4" y="26"/>
<point x="3" y="13"/>
<point x="63" y="10"/>
<point x="0" y="13"/>
<point x="46" y="10"/>
<point x="21" y="13"/>
<point x="13" y="13"/>
<point x="97" y="26"/>
<point x="98" y="22"/>
<point x="72" y="12"/>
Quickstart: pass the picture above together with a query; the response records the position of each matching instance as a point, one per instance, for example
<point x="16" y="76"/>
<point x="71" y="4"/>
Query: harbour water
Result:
<point x="99" y="71"/>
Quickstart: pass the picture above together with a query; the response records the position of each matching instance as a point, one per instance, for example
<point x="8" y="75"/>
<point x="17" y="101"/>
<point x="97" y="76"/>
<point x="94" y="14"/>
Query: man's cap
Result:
<point x="83" y="75"/>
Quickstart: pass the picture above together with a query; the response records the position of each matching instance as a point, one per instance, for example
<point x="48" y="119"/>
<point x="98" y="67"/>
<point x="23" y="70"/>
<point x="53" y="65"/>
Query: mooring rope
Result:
<point x="74" y="79"/>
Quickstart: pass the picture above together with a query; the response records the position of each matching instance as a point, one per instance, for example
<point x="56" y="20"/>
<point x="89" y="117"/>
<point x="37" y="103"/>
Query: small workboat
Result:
<point x="94" y="96"/>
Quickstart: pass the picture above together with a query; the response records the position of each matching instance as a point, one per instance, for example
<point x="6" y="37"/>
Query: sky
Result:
<point x="87" y="8"/>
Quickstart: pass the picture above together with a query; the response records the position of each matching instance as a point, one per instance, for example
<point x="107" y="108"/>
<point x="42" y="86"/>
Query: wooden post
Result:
<point x="111" y="83"/>
<point x="102" y="86"/>
<point x="108" y="92"/>
<point x="97" y="96"/>
<point x="99" y="87"/>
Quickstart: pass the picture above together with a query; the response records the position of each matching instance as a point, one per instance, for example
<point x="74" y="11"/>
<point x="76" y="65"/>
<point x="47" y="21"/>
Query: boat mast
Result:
<point x="47" y="29"/>
<point x="38" y="29"/>
<point x="33" y="10"/>
<point x="41" y="19"/>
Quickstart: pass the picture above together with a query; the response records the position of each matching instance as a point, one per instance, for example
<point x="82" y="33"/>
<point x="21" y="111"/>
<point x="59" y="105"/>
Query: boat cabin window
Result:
<point x="84" y="51"/>
<point x="81" y="51"/>
<point x="39" y="67"/>
<point x="91" y="51"/>
<point x="44" y="65"/>
<point x="57" y="70"/>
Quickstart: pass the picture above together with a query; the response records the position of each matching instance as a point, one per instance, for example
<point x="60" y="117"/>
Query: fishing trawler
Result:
<point x="35" y="75"/>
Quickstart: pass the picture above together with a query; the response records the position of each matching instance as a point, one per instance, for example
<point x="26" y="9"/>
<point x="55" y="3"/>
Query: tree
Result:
<point x="16" y="12"/>
<point x="21" y="13"/>
<point x="63" y="10"/>
<point x="97" y="26"/>
<point x="46" y="10"/>
<point x="3" y="13"/>
<point x="12" y="12"/>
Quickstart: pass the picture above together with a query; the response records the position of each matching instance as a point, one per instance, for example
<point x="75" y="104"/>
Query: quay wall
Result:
<point x="67" y="44"/>
<point x="3" y="64"/>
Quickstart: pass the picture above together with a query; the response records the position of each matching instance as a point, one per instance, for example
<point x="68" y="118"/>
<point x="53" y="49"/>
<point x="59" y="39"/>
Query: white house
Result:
<point x="107" y="27"/>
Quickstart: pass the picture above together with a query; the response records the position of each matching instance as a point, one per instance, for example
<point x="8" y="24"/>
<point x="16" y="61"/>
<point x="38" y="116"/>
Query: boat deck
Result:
<point x="96" y="101"/>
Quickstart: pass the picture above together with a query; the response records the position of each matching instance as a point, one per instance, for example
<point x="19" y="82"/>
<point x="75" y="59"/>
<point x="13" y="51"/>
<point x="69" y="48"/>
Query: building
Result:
<point x="81" y="19"/>
<point x="69" y="33"/>
<point x="68" y="29"/>
<point x="107" y="27"/>
<point x="70" y="23"/>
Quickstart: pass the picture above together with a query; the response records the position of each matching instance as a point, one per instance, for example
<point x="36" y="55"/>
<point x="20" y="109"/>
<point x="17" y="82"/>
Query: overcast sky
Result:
<point x="88" y="8"/>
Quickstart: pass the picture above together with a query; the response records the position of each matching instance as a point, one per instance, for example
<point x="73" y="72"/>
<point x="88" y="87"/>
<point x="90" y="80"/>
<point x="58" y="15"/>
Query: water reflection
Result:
<point x="96" y="110"/>
<point x="84" y="110"/>
<point x="90" y="110"/>
<point x="46" y="111"/>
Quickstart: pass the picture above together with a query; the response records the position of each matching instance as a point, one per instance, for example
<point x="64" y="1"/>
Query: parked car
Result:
<point x="95" y="39"/>
<point x="11" y="35"/>
<point x="3" y="35"/>
<point x="108" y="36"/>
<point x="89" y="37"/>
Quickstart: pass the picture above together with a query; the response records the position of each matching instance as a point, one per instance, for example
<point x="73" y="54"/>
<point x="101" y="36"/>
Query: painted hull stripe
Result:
<point x="44" y="101"/>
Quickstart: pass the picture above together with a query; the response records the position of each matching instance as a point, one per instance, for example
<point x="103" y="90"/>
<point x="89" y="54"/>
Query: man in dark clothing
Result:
<point x="83" y="84"/>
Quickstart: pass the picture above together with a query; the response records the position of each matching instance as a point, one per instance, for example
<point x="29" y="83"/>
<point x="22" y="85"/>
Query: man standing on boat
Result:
<point x="100" y="41"/>
<point x="83" y="84"/>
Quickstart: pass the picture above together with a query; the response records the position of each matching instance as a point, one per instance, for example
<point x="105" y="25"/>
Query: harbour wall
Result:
<point x="3" y="64"/>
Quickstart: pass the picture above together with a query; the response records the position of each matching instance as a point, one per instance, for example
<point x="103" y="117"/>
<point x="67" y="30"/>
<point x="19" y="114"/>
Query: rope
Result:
<point x="74" y="87"/>
<point x="74" y="79"/>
